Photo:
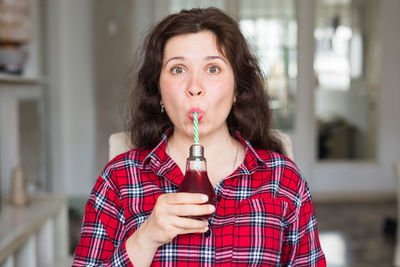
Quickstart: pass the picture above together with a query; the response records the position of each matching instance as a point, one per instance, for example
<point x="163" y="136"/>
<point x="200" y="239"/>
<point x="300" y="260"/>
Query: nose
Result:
<point x="195" y="87"/>
<point x="195" y="91"/>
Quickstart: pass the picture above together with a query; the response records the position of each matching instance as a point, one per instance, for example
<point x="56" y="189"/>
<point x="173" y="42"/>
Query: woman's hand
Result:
<point x="167" y="220"/>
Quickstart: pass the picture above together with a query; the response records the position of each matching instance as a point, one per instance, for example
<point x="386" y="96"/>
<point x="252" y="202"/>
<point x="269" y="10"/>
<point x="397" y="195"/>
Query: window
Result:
<point x="271" y="29"/>
<point x="347" y="73"/>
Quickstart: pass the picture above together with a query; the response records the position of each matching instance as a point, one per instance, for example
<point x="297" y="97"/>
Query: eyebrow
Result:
<point x="207" y="58"/>
<point x="216" y="57"/>
<point x="173" y="58"/>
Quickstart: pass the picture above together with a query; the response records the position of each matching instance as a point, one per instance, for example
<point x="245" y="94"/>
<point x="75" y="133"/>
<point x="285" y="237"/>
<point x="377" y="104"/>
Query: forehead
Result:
<point x="200" y="43"/>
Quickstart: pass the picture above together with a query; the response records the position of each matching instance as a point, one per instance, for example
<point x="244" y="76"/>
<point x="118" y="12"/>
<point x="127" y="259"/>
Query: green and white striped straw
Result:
<point x="196" y="137"/>
<point x="196" y="128"/>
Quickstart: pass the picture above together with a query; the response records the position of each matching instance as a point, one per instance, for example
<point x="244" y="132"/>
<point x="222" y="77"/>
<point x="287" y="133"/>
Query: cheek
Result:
<point x="164" y="83"/>
<point x="167" y="89"/>
<point x="224" y="93"/>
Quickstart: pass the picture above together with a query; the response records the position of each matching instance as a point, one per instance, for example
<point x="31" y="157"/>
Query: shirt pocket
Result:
<point x="258" y="232"/>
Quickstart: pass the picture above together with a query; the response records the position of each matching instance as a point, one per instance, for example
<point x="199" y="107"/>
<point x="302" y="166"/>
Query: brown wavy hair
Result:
<point x="251" y="113"/>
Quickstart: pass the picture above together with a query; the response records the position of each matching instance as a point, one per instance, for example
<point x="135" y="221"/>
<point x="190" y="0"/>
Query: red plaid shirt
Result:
<point x="264" y="215"/>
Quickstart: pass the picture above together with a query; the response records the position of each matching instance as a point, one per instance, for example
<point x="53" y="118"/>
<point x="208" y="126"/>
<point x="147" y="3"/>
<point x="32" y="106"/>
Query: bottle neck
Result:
<point x="196" y="151"/>
<point x="196" y="160"/>
<point x="196" y="164"/>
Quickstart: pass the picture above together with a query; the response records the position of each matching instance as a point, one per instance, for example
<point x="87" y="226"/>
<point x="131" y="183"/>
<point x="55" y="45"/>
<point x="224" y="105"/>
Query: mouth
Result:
<point x="199" y="111"/>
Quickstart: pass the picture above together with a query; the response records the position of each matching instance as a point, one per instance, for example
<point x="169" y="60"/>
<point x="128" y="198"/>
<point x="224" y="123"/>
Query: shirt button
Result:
<point x="219" y="198"/>
<point x="208" y="233"/>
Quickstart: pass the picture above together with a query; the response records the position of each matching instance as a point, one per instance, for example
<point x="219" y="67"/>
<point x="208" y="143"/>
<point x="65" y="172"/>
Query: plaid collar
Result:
<point x="162" y="165"/>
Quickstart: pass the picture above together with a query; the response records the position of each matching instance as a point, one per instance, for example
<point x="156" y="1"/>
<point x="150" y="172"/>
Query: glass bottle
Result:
<point x="196" y="178"/>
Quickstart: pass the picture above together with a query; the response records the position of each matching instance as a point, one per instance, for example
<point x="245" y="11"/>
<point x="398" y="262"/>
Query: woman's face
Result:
<point x="196" y="77"/>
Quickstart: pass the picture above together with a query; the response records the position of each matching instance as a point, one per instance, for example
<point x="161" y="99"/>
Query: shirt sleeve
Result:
<point x="103" y="235"/>
<point x="301" y="246"/>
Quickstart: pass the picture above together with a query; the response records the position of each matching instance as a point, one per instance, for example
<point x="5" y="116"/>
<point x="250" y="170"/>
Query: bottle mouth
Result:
<point x="196" y="151"/>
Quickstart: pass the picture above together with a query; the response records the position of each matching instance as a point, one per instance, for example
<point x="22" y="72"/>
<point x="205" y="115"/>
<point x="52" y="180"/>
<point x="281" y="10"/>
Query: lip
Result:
<point x="199" y="111"/>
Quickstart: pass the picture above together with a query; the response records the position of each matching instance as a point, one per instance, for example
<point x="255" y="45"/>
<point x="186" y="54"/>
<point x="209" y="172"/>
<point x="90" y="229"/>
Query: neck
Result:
<point x="212" y="143"/>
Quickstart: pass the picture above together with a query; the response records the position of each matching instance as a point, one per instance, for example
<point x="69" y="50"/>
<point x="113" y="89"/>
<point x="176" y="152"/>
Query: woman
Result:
<point x="198" y="61"/>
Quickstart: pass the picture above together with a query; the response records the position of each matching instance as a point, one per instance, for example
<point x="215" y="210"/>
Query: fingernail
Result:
<point x="212" y="208"/>
<point x="204" y="197"/>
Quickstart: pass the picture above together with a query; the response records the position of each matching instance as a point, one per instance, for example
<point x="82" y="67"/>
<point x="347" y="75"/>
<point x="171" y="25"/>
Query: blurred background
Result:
<point x="333" y="73"/>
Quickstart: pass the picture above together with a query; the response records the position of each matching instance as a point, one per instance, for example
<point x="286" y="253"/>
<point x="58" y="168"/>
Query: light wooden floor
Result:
<point x="352" y="234"/>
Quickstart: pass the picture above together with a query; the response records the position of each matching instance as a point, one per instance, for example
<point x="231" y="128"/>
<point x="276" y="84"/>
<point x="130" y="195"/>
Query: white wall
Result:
<point x="70" y="96"/>
<point x="112" y="52"/>
<point x="76" y="127"/>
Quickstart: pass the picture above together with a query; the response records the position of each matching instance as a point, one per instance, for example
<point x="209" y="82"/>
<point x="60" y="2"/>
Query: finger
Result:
<point x="189" y="223"/>
<point x="191" y="231"/>
<point x="185" y="198"/>
<point x="191" y="210"/>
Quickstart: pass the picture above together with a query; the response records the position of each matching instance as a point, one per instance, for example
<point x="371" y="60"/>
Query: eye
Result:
<point x="213" y="69"/>
<point x="177" y="70"/>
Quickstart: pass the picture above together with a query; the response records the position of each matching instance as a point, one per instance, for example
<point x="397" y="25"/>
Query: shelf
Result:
<point x="39" y="230"/>
<point x="13" y="79"/>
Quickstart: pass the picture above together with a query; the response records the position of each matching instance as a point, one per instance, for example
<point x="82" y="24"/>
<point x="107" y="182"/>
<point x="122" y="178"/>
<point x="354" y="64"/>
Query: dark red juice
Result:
<point x="198" y="182"/>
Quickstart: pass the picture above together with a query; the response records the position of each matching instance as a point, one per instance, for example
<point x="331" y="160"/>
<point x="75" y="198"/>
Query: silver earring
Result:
<point x="162" y="108"/>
